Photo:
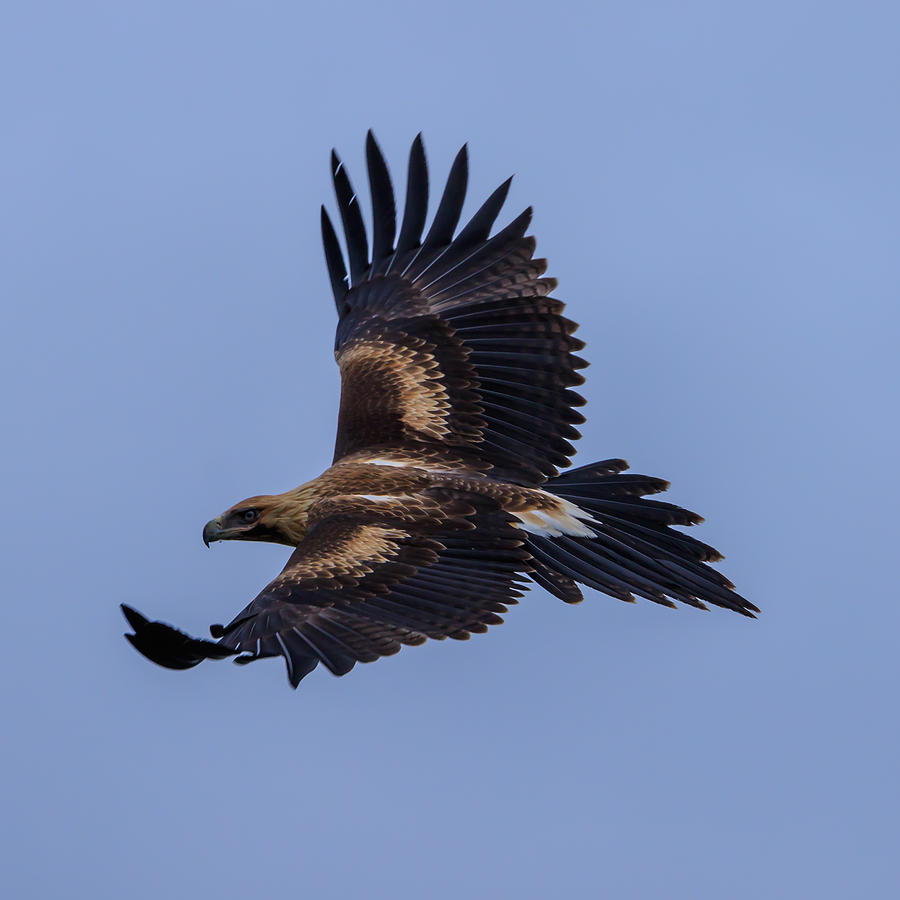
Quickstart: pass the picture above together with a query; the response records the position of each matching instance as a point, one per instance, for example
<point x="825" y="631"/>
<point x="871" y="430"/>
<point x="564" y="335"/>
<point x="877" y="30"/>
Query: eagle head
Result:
<point x="265" y="518"/>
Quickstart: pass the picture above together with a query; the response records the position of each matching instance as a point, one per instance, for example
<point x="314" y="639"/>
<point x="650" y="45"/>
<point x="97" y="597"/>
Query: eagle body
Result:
<point x="446" y="495"/>
<point x="410" y="489"/>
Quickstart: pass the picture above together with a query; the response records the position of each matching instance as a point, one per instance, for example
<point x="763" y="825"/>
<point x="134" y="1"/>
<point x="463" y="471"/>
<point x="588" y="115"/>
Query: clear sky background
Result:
<point x="716" y="188"/>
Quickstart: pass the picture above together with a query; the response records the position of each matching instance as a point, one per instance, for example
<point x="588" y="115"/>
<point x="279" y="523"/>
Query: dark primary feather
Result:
<point x="450" y="208"/>
<point x="416" y="209"/>
<point x="384" y="215"/>
<point x="469" y="320"/>
<point x="167" y="646"/>
<point x="351" y="216"/>
<point x="334" y="259"/>
<point x="480" y="225"/>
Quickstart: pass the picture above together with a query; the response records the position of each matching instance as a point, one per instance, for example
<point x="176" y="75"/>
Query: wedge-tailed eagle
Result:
<point x="445" y="496"/>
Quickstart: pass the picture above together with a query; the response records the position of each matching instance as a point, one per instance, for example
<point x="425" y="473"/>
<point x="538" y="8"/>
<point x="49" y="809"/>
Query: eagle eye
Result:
<point x="249" y="515"/>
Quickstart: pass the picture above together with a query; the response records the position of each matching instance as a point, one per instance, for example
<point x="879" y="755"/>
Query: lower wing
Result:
<point x="355" y="591"/>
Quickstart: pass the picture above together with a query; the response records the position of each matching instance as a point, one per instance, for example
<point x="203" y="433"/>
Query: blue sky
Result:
<point x="716" y="188"/>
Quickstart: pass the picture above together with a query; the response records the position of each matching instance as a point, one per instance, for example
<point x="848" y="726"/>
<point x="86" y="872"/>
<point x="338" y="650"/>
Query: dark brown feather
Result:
<point x="384" y="214"/>
<point x="357" y="590"/>
<point x="416" y="209"/>
<point x="450" y="208"/>
<point x="334" y="260"/>
<point x="415" y="347"/>
<point x="456" y="411"/>
<point x="351" y="216"/>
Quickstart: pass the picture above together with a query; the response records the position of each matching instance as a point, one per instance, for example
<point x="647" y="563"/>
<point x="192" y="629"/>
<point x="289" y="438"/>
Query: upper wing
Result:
<point x="449" y="343"/>
<point x="359" y="587"/>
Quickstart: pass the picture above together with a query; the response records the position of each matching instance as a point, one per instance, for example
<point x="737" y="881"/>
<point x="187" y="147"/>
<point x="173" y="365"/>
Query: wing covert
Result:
<point x="357" y="589"/>
<point x="362" y="586"/>
<point x="451" y="343"/>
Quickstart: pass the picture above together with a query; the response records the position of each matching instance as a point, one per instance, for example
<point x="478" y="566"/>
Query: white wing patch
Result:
<point x="564" y="518"/>
<point x="426" y="465"/>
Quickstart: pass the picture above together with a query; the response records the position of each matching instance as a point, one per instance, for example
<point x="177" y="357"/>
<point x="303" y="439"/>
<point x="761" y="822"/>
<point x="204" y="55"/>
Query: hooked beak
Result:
<point x="213" y="531"/>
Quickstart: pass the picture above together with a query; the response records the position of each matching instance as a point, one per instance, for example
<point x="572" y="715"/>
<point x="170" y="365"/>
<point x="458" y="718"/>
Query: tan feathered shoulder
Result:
<point x="445" y="496"/>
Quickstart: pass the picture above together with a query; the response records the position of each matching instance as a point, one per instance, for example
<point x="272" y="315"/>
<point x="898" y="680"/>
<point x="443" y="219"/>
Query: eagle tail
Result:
<point x="634" y="549"/>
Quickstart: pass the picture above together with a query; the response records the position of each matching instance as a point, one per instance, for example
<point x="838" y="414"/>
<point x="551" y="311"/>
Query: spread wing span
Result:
<point x="456" y="414"/>
<point x="360" y="587"/>
<point x="449" y="343"/>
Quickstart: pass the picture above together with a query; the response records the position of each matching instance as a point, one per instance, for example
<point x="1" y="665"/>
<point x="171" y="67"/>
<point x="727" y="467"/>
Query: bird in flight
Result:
<point x="445" y="497"/>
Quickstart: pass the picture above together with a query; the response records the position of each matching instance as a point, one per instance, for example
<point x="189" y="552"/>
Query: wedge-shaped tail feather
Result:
<point x="635" y="551"/>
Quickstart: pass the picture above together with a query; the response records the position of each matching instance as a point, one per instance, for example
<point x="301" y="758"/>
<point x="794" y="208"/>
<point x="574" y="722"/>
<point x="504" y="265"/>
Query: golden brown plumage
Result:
<point x="444" y="498"/>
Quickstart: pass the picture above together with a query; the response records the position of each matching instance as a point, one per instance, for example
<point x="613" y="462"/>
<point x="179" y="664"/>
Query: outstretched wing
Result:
<point x="449" y="344"/>
<point x="360" y="587"/>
